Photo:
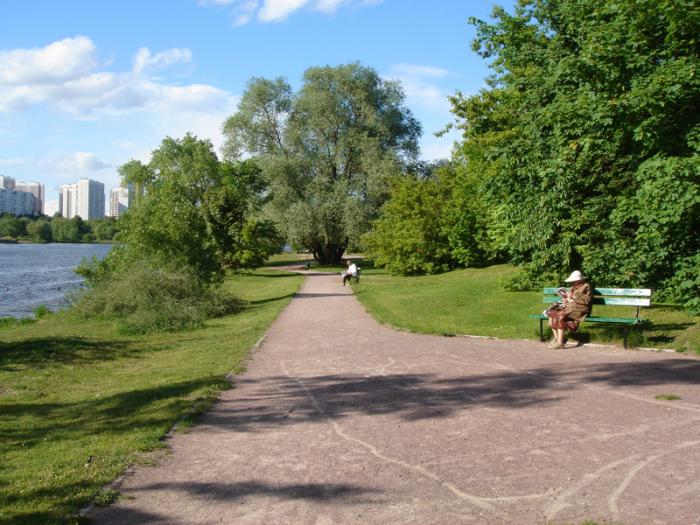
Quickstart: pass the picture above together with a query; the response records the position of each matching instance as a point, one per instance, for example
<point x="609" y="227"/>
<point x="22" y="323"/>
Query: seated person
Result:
<point x="350" y="272"/>
<point x="576" y="305"/>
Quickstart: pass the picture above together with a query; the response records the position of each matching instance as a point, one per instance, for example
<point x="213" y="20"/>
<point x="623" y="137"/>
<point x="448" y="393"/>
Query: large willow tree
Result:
<point x="587" y="139"/>
<point x="327" y="151"/>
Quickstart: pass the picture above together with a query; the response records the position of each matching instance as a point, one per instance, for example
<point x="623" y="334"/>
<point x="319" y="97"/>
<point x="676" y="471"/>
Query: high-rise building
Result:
<point x="16" y="202"/>
<point x="85" y="199"/>
<point x="7" y="183"/>
<point x="36" y="189"/>
<point x="118" y="202"/>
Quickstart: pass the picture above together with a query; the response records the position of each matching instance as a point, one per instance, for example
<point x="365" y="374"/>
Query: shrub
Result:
<point x="41" y="311"/>
<point x="144" y="300"/>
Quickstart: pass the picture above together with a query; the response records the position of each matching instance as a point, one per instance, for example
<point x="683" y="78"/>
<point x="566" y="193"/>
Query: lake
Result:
<point x="35" y="274"/>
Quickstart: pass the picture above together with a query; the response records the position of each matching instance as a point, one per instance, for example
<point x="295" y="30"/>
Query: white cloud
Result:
<point x="417" y="70"/>
<point x="420" y="85"/>
<point x="144" y="60"/>
<point x="244" y="12"/>
<point x="80" y="91"/>
<point x="267" y="11"/>
<point x="59" y="61"/>
<point x="279" y="10"/>
<point x="81" y="161"/>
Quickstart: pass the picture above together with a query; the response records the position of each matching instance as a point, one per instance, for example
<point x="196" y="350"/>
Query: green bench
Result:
<point x="637" y="297"/>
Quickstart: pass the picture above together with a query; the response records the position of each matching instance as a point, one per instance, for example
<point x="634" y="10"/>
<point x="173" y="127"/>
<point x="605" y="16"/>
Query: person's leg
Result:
<point x="560" y="337"/>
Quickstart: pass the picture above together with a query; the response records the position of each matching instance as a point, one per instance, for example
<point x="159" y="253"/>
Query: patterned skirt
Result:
<point x="559" y="320"/>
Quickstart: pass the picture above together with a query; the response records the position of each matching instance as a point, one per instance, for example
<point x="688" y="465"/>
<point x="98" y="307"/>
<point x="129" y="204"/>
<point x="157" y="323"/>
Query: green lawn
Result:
<point x="78" y="403"/>
<point x="473" y="302"/>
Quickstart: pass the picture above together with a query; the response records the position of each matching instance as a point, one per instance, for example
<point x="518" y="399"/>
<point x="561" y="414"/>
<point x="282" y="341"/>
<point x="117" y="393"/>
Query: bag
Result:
<point x="552" y="308"/>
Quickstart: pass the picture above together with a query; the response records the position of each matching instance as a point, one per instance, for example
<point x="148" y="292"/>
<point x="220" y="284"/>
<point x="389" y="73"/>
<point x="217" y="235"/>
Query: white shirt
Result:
<point x="352" y="269"/>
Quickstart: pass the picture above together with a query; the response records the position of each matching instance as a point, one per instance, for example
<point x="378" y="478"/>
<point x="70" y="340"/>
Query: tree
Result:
<point x="327" y="151"/>
<point x="592" y="109"/>
<point x="11" y="226"/>
<point x="104" y="229"/>
<point x="195" y="212"/>
<point x="433" y="221"/>
<point x="40" y="231"/>
<point x="68" y="230"/>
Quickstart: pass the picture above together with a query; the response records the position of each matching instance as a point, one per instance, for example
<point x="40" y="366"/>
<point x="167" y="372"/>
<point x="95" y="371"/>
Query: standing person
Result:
<point x="576" y="305"/>
<point x="350" y="272"/>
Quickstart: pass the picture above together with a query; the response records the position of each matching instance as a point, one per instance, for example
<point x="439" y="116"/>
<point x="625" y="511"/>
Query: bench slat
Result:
<point x="618" y="301"/>
<point x="594" y="319"/>
<point x="633" y="292"/>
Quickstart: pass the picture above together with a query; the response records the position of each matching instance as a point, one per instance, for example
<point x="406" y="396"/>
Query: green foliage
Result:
<point x="409" y="237"/>
<point x="104" y="229"/>
<point x="327" y="151"/>
<point x="41" y="311"/>
<point x="11" y="226"/>
<point x="431" y="223"/>
<point x="144" y="300"/>
<point x="69" y="230"/>
<point x="40" y="231"/>
<point x="196" y="213"/>
<point x="585" y="143"/>
<point x="240" y="237"/>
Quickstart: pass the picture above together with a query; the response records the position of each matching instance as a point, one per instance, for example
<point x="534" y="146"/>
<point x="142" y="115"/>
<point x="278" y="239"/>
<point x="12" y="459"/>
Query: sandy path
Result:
<point x="341" y="420"/>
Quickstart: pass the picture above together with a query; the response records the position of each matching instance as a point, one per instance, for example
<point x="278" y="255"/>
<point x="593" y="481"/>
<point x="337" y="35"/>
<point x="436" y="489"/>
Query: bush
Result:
<point x="41" y="311"/>
<point x="144" y="300"/>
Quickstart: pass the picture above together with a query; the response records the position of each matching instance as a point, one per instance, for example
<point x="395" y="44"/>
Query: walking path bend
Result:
<point x="341" y="420"/>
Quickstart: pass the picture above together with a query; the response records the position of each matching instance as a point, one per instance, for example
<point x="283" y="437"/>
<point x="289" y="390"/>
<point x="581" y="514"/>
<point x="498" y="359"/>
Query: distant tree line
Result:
<point x="44" y="229"/>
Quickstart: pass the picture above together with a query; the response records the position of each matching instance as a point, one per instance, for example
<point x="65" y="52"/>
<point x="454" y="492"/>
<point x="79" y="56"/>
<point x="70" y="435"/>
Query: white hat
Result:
<point x="575" y="276"/>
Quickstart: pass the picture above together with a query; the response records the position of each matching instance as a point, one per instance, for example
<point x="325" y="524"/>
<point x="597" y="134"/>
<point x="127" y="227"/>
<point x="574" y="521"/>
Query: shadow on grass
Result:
<point x="258" y="302"/>
<point x="40" y="352"/>
<point x="155" y="407"/>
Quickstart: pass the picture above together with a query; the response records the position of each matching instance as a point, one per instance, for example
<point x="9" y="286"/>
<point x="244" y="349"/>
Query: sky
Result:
<point x="86" y="85"/>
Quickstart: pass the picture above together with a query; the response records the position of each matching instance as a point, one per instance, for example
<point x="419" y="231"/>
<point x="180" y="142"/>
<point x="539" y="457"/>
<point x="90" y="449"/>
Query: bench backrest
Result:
<point x="610" y="296"/>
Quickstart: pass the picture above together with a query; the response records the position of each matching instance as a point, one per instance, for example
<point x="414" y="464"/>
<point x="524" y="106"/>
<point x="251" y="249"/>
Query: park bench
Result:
<point x="356" y="277"/>
<point x="608" y="297"/>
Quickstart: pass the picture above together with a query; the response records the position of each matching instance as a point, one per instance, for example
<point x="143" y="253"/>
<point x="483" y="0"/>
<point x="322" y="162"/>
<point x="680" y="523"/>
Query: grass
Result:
<point x="473" y="302"/>
<point x="668" y="397"/>
<point x="79" y="403"/>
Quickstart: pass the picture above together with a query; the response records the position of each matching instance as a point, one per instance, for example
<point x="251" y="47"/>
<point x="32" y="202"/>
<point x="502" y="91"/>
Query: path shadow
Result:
<point x="301" y="295"/>
<point x="280" y="400"/>
<point x="270" y="299"/>
<point x="321" y="492"/>
<point x="232" y="493"/>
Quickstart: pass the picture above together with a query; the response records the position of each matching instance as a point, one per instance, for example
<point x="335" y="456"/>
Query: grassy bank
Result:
<point x="473" y="302"/>
<point x="78" y="403"/>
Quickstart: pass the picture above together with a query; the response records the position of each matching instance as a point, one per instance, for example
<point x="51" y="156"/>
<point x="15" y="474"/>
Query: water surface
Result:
<point x="35" y="274"/>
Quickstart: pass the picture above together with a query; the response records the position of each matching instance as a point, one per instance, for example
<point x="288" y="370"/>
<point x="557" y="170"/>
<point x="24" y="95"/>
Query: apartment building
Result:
<point x="84" y="199"/>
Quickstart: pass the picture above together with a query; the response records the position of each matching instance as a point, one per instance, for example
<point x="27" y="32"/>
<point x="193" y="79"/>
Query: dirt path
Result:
<point x="341" y="420"/>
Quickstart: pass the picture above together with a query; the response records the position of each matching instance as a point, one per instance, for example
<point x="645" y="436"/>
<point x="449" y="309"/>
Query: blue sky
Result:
<point x="87" y="85"/>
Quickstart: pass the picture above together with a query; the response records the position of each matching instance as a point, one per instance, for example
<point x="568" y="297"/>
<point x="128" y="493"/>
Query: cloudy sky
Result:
<point x="88" y="85"/>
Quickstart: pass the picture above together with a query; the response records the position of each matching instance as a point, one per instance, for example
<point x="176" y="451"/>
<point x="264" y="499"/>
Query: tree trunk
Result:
<point x="328" y="254"/>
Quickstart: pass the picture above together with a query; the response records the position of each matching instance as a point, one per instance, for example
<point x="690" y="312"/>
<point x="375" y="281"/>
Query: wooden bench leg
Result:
<point x="626" y="328"/>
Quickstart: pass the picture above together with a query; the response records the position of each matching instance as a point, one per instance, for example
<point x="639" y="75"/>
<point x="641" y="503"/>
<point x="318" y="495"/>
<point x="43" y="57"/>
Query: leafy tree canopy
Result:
<point x="587" y="138"/>
<point x="327" y="151"/>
